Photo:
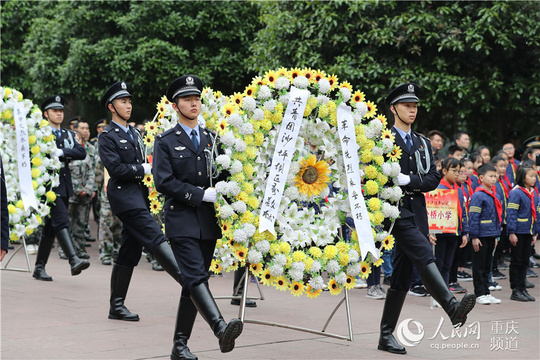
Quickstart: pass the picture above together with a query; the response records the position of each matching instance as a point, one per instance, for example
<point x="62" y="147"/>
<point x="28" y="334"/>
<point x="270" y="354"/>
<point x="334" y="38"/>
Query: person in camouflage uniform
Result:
<point x="84" y="189"/>
<point x="110" y="227"/>
<point x="100" y="125"/>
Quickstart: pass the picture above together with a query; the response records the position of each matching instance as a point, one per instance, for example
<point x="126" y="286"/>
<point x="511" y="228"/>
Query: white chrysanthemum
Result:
<point x="397" y="193"/>
<point x="322" y="99"/>
<point x="249" y="103"/>
<point x="254" y="256"/>
<point x="235" y="120"/>
<point x="240" y="145"/>
<point x="386" y="169"/>
<point x="250" y="229"/>
<point x="224" y="161"/>
<point x="324" y="86"/>
<point x="354" y="269"/>
<point x="276" y="270"/>
<point x="270" y="105"/>
<point x="386" y="209"/>
<point x="353" y="256"/>
<point x="228" y="139"/>
<point x="263" y="246"/>
<point x="299" y="265"/>
<point x="376" y="124"/>
<point x="316" y="282"/>
<point x="387" y="145"/>
<point x="236" y="167"/>
<point x="258" y="115"/>
<point x="282" y="83"/>
<point x="301" y="82"/>
<point x="240" y="236"/>
<point x="396" y="169"/>
<point x="346" y="93"/>
<point x="341" y="278"/>
<point x="369" y="132"/>
<point x="284" y="99"/>
<point x="264" y="92"/>
<point x="332" y="266"/>
<point x="280" y="259"/>
<point x="296" y="275"/>
<point x="222" y="187"/>
<point x="316" y="266"/>
<point x="377" y="151"/>
<point x="226" y="211"/>
<point x="234" y="188"/>
<point x="239" y="206"/>
<point x="386" y="193"/>
<point x="362" y="108"/>
<point x="247" y="128"/>
<point x="381" y="236"/>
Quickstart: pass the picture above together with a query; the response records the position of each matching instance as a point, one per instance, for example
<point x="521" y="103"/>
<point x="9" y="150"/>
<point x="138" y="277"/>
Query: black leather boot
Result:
<point x="392" y="309"/>
<point x="205" y="304"/>
<point x="187" y="312"/>
<point x="120" y="278"/>
<point x="44" y="250"/>
<point x="165" y="257"/>
<point x="77" y="265"/>
<point x="438" y="289"/>
<point x="238" y="288"/>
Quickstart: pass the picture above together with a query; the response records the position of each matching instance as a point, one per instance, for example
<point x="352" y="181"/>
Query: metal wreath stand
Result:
<point x="23" y="246"/>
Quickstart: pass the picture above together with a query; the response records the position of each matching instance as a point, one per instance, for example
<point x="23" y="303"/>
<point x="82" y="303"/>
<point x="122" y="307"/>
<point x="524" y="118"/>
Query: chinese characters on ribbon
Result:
<point x="28" y="195"/>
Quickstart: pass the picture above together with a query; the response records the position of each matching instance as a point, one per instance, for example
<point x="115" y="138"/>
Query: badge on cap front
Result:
<point x="410" y="88"/>
<point x="190" y="81"/>
<point x="123" y="85"/>
<point x="57" y="99"/>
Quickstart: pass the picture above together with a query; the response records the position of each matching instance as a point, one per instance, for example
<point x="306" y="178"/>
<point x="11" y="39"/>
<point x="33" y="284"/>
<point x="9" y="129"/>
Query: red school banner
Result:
<point x="442" y="211"/>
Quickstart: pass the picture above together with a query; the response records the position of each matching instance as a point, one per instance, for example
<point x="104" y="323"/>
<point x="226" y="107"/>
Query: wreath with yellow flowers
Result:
<point x="314" y="204"/>
<point x="44" y="164"/>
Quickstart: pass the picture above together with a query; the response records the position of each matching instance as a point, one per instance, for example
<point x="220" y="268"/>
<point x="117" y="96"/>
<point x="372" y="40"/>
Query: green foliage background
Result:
<point x="477" y="63"/>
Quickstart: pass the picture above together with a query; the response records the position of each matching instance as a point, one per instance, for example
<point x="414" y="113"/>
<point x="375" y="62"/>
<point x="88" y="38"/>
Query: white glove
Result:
<point x="147" y="168"/>
<point x="59" y="152"/>
<point x="403" y="179"/>
<point x="210" y="195"/>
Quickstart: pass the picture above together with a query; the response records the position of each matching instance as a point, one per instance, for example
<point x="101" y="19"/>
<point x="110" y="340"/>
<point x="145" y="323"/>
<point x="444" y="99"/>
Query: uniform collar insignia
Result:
<point x="205" y="133"/>
<point x="179" y="148"/>
<point x="123" y="141"/>
<point x="117" y="129"/>
<point x="178" y="132"/>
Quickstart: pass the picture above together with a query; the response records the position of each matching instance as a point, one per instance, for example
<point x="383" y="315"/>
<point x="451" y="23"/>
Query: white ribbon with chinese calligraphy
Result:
<point x="28" y="195"/>
<point x="351" y="162"/>
<point x="281" y="160"/>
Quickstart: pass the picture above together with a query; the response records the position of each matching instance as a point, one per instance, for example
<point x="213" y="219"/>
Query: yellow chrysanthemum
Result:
<point x="372" y="109"/>
<point x="252" y="202"/>
<point x="247" y="217"/>
<point x="354" y="236"/>
<point x="43" y="123"/>
<point x="347" y="85"/>
<point x="330" y="251"/>
<point x="238" y="177"/>
<point x="277" y="117"/>
<point x="35" y="173"/>
<point x="309" y="262"/>
<point x="342" y="246"/>
<point x="379" y="262"/>
<point x="32" y="139"/>
<point x="251" y="152"/>
<point x="383" y="179"/>
<point x="247" y="186"/>
<point x="350" y="282"/>
<point x="370" y="144"/>
<point x="334" y="287"/>
<point x="155" y="206"/>
<point x="281" y="283"/>
<point x="313" y="176"/>
<point x="284" y="247"/>
<point x="377" y="218"/>
<point x="259" y="137"/>
<point x="35" y="150"/>
<point x="374" y="204"/>
<point x="366" y="156"/>
<point x="36" y="161"/>
<point x="370" y="172"/>
<point x="358" y="96"/>
<point x="371" y="187"/>
<point x="297" y="288"/>
<point x="365" y="270"/>
<point x="343" y="258"/>
<point x="315" y="252"/>
<point x="324" y="111"/>
<point x="151" y="127"/>
<point x="7" y="114"/>
<point x="379" y="160"/>
<point x="312" y="293"/>
<point x="395" y="154"/>
<point x="298" y="256"/>
<point x="51" y="196"/>
<point x="256" y="269"/>
<point x="333" y="80"/>
<point x="388" y="242"/>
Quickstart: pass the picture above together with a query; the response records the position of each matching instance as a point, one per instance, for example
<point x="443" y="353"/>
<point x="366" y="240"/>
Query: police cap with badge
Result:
<point x="53" y="102"/>
<point x="407" y="92"/>
<point x="532" y="142"/>
<point x="101" y="123"/>
<point x="74" y="120"/>
<point x="116" y="91"/>
<point x="184" y="86"/>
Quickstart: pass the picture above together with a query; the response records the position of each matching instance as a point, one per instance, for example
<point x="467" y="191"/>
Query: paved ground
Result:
<point x="67" y="319"/>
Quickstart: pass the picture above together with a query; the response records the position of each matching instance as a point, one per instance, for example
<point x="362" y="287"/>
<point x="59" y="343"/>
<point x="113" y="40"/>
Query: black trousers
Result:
<point x="519" y="261"/>
<point x="139" y="229"/>
<point x="482" y="266"/>
<point x="444" y="253"/>
<point x="194" y="257"/>
<point x="58" y="219"/>
<point x="413" y="249"/>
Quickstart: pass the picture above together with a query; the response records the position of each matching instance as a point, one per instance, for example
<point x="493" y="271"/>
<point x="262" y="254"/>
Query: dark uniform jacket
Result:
<point x="519" y="215"/>
<point x="483" y="217"/>
<point x="180" y="172"/>
<point x="413" y="203"/>
<point x="123" y="159"/>
<point x="72" y="151"/>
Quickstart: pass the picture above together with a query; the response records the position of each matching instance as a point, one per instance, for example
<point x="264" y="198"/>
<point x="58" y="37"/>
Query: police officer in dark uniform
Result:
<point x="73" y="122"/>
<point x="418" y="175"/>
<point x="57" y="223"/>
<point x="183" y="171"/>
<point x="122" y="152"/>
